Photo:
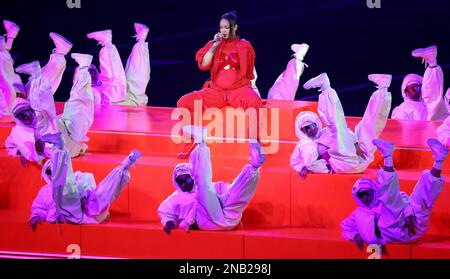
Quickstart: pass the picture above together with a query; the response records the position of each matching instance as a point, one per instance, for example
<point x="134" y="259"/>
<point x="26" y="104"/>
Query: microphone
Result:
<point x="218" y="39"/>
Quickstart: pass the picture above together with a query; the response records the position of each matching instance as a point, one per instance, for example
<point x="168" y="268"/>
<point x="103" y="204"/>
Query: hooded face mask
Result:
<point x="23" y="113"/>
<point x="412" y="87"/>
<point x="185" y="182"/>
<point x="95" y="75"/>
<point x="182" y="178"/>
<point x="414" y="91"/>
<point x="310" y="130"/>
<point x="365" y="192"/>
<point x="366" y="197"/>
<point x="308" y="125"/>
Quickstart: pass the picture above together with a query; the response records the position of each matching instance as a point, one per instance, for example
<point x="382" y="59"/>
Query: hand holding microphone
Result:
<point x="217" y="38"/>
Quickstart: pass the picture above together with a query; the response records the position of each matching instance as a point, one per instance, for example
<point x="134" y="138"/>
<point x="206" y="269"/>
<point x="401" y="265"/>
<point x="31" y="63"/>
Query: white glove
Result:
<point x="197" y="132"/>
<point x="257" y="157"/>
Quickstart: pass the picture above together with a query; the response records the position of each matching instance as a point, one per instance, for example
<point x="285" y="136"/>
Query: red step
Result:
<point x="150" y="184"/>
<point x="147" y="240"/>
<point x="435" y="249"/>
<point x="323" y="201"/>
<point x="124" y="238"/>
<point x="288" y="217"/>
<point x="298" y="243"/>
<point x="310" y="203"/>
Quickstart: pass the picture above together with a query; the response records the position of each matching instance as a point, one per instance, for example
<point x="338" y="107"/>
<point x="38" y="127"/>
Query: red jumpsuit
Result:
<point x="231" y="74"/>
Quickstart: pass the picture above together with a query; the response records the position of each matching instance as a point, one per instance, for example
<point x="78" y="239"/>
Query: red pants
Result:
<point x="242" y="97"/>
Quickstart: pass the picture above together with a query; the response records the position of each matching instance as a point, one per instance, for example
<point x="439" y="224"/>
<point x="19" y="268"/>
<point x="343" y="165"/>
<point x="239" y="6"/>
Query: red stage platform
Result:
<point x="288" y="217"/>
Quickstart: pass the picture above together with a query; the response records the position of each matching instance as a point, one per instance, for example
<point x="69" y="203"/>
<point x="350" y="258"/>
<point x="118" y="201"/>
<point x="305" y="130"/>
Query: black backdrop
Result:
<point x="348" y="40"/>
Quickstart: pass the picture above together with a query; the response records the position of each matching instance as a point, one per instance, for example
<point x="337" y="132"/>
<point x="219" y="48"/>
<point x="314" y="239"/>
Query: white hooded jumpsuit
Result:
<point x="286" y="85"/>
<point x="211" y="206"/>
<point x="124" y="87"/>
<point x="339" y="140"/>
<point x="7" y="80"/>
<point x="390" y="208"/>
<point x="431" y="106"/>
<point x="74" y="123"/>
<point x="70" y="197"/>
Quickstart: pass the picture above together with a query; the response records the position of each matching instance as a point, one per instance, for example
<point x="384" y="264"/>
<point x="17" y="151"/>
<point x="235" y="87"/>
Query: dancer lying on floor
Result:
<point x="385" y="214"/>
<point x="198" y="201"/>
<point x="423" y="98"/>
<point x="37" y="116"/>
<point x="117" y="85"/>
<point x="74" y="198"/>
<point x="336" y="149"/>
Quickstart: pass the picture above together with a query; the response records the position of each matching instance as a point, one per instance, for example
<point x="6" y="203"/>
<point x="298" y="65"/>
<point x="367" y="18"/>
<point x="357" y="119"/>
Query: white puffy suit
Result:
<point x="124" y="87"/>
<point x="54" y="70"/>
<point x="212" y="206"/>
<point x="70" y="197"/>
<point x="74" y="123"/>
<point x="112" y="74"/>
<point x="286" y="85"/>
<point x="336" y="138"/>
<point x="431" y="107"/>
<point x="137" y="72"/>
<point x="390" y="208"/>
<point x="7" y="79"/>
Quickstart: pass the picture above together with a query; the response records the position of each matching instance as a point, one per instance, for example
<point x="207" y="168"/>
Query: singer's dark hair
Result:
<point x="232" y="19"/>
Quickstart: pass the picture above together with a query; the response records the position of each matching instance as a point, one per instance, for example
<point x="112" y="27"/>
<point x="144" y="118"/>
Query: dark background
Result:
<point x="347" y="39"/>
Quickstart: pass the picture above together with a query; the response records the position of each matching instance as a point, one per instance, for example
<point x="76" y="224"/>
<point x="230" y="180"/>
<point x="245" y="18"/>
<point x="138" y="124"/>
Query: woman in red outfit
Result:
<point x="231" y="62"/>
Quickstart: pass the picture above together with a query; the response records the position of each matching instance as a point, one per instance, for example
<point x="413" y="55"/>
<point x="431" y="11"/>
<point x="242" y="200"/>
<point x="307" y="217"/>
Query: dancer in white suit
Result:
<point x="385" y="214"/>
<point x="74" y="198"/>
<point x="37" y="116"/>
<point x="423" y="96"/>
<point x="336" y="149"/>
<point x="200" y="202"/>
<point x="117" y="85"/>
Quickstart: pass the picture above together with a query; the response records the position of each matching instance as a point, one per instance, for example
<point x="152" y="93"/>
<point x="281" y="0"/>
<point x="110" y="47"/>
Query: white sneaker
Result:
<point x="32" y="69"/>
<point x="300" y="50"/>
<point x="83" y="60"/>
<point x="12" y="29"/>
<point x="141" y="31"/>
<point x="386" y="148"/>
<point x="439" y="150"/>
<point x="62" y="45"/>
<point x="381" y="80"/>
<point x="197" y="132"/>
<point x="428" y="54"/>
<point x="102" y="37"/>
<point x="321" y="81"/>
<point x="131" y="159"/>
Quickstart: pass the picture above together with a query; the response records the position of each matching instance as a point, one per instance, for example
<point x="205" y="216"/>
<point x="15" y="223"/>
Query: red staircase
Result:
<point x="288" y="217"/>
